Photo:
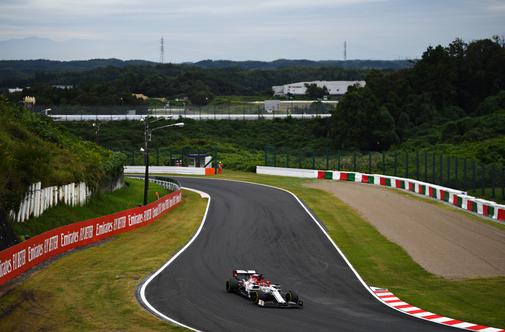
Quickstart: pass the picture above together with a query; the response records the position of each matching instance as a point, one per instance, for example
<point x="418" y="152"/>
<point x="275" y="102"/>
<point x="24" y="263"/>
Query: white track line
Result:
<point x="144" y="285"/>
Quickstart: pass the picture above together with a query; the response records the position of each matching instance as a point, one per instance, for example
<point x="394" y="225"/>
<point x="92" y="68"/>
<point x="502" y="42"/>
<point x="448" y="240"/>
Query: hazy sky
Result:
<point x="241" y="30"/>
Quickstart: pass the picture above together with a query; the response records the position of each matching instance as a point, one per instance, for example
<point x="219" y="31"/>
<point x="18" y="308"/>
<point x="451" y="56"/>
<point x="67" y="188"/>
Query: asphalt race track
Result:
<point x="255" y="227"/>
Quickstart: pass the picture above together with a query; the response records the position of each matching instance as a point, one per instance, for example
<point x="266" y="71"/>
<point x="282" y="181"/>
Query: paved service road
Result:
<point x="256" y="227"/>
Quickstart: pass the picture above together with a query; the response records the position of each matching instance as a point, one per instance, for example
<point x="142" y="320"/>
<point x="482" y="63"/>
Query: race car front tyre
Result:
<point x="231" y="286"/>
<point x="255" y="297"/>
<point x="291" y="296"/>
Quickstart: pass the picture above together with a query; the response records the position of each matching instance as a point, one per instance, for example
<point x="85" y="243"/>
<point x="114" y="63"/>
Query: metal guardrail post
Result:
<point x="406" y="164"/>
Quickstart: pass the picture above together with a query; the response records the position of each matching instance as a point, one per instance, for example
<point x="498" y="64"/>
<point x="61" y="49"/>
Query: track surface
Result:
<point x="256" y="227"/>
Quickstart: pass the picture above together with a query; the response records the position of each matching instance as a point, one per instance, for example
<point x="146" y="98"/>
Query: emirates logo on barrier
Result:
<point x="23" y="256"/>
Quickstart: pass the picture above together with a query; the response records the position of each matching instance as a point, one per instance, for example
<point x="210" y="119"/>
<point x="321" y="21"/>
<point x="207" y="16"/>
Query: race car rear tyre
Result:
<point x="231" y="286"/>
<point x="291" y="296"/>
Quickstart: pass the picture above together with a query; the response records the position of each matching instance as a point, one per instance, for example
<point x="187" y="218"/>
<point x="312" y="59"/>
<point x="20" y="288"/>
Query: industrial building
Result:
<point x="335" y="88"/>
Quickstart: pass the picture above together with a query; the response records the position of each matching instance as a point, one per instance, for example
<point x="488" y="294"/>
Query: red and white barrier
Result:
<point x="25" y="255"/>
<point x="454" y="197"/>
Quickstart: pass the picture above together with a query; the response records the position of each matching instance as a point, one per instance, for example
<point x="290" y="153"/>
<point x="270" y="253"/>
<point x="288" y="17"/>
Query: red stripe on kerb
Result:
<point x="477" y="327"/>
<point x="432" y="317"/>
<point x="453" y="322"/>
<point x="403" y="306"/>
<point x="413" y="312"/>
<point x="393" y="301"/>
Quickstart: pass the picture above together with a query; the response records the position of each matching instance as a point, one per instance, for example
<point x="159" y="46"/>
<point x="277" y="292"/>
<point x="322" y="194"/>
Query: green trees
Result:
<point x="361" y="123"/>
<point x="315" y="92"/>
<point x="446" y="84"/>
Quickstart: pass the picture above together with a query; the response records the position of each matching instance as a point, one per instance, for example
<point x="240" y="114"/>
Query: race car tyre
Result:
<point x="231" y="286"/>
<point x="255" y="297"/>
<point x="291" y="296"/>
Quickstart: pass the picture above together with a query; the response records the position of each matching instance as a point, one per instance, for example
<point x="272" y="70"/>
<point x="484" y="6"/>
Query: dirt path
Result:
<point x="442" y="241"/>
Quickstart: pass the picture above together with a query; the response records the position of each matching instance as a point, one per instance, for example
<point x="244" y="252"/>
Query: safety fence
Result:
<point x="23" y="256"/>
<point x="38" y="199"/>
<point x="478" y="178"/>
<point x="454" y="197"/>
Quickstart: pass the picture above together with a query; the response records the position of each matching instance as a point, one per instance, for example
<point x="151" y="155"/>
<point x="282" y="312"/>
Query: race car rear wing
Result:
<point x="243" y="274"/>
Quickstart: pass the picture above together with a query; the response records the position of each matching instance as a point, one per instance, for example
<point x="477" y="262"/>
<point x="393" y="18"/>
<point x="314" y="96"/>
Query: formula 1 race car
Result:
<point x="262" y="292"/>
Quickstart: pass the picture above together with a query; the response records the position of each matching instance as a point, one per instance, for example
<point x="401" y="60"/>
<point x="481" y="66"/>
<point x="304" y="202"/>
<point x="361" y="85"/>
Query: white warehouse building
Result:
<point x="299" y="88"/>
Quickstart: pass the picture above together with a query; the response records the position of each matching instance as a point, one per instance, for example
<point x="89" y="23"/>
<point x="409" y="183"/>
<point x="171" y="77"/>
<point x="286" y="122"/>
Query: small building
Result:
<point x="335" y="88"/>
<point x="198" y="159"/>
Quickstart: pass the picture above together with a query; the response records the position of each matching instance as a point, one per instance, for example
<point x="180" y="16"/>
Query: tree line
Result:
<point x="460" y="80"/>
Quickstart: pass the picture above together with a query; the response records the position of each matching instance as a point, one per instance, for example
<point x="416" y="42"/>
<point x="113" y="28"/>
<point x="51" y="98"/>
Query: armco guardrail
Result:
<point x="169" y="184"/>
<point x="455" y="197"/>
<point x="23" y="256"/>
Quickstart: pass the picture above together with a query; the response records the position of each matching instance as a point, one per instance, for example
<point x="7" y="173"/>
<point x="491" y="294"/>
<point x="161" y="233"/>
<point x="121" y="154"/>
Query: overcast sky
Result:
<point x="240" y="30"/>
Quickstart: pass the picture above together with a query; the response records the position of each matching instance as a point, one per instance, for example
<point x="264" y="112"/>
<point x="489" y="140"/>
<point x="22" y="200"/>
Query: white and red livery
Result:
<point x="261" y="291"/>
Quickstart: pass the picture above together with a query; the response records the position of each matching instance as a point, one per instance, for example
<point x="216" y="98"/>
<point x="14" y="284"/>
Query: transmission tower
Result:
<point x="162" y="51"/>
<point x="345" y="50"/>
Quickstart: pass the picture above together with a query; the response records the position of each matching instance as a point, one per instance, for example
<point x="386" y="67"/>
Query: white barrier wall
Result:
<point x="38" y="199"/>
<point x="451" y="196"/>
<point x="165" y="170"/>
<point x="281" y="171"/>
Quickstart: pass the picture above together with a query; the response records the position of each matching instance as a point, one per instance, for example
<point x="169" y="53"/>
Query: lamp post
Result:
<point x="147" y="138"/>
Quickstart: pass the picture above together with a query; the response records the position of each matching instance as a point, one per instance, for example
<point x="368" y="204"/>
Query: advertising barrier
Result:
<point x="454" y="197"/>
<point x="28" y="254"/>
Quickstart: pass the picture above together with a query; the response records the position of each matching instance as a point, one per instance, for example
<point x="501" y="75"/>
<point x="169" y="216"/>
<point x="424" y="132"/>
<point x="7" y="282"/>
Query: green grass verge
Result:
<point x="131" y="195"/>
<point x="93" y="288"/>
<point x="383" y="263"/>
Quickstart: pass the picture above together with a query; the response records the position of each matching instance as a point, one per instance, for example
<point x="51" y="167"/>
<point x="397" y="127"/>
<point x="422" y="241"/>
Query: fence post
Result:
<point x="425" y="166"/>
<point x="503" y="182"/>
<point x="474" y="180"/>
<point x="465" y="183"/>
<point x="482" y="179"/>
<point x="417" y="165"/>
<point x="354" y="162"/>
<point x="434" y="173"/>
<point x="492" y="180"/>
<point x="396" y="160"/>
<point x="383" y="163"/>
<point x="369" y="162"/>
<point x="456" y="170"/>
<point x="406" y="164"/>
<point x="338" y="161"/>
<point x="448" y="170"/>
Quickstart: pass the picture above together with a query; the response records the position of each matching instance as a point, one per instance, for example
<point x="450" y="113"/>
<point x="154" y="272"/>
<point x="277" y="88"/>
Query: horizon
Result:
<point x="264" y="30"/>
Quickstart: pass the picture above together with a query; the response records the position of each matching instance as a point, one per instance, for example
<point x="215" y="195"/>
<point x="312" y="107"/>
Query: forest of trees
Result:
<point x="112" y="85"/>
<point x="447" y="84"/>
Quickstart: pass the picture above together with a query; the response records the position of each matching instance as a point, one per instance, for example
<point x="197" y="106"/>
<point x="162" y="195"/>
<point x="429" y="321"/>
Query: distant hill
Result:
<point x="282" y="63"/>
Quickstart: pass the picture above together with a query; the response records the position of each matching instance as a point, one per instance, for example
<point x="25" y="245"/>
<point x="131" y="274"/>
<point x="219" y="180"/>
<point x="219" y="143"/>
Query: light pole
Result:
<point x="147" y="138"/>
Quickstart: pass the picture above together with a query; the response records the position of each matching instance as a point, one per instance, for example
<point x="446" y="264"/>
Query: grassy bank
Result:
<point x="385" y="264"/>
<point x="87" y="290"/>
<point x="131" y="195"/>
